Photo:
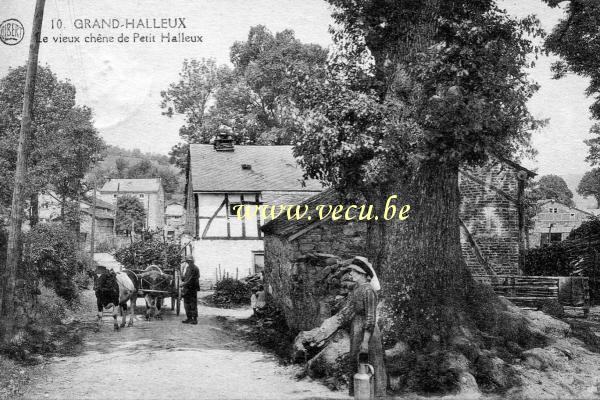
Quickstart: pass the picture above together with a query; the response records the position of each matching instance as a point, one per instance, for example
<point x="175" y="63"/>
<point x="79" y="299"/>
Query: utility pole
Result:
<point x="16" y="218"/>
<point x="92" y="235"/>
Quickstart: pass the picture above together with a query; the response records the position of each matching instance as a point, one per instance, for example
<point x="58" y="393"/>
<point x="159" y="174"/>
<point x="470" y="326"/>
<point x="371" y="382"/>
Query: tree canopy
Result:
<point x="64" y="144"/>
<point x="590" y="184"/>
<point x="451" y="104"/>
<point x="576" y="39"/>
<point x="551" y="187"/>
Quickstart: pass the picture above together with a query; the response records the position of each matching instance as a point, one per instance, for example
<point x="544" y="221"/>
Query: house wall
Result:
<point x="563" y="219"/>
<point x="234" y="257"/>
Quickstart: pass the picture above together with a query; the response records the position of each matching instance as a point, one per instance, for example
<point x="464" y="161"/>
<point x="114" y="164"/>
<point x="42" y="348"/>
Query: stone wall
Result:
<point x="490" y="215"/>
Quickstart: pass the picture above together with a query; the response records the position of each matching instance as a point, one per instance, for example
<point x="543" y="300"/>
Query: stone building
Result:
<point x="554" y="221"/>
<point x="150" y="192"/>
<point x="492" y="235"/>
<point x="222" y="179"/>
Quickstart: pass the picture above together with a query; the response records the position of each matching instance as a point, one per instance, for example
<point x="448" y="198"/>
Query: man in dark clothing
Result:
<point x="190" y="287"/>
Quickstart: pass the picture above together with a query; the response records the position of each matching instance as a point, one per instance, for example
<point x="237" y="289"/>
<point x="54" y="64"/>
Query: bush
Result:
<point x="52" y="250"/>
<point x="49" y="329"/>
<point x="231" y="291"/>
<point x="550" y="260"/>
<point x="586" y="229"/>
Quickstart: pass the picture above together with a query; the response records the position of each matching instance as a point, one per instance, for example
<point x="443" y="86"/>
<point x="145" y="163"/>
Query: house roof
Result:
<point x="546" y="201"/>
<point x="266" y="168"/>
<point x="132" y="185"/>
<point x="100" y="214"/>
<point x="100" y="204"/>
<point x="513" y="164"/>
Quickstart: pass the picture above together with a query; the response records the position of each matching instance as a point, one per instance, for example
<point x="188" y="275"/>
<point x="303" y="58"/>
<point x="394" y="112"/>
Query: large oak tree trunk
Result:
<point x="424" y="274"/>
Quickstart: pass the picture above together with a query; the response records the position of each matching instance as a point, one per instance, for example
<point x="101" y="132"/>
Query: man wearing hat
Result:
<point x="189" y="291"/>
<point x="365" y="337"/>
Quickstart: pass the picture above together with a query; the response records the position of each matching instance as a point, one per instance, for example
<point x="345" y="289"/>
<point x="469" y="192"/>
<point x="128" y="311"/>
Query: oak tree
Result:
<point x="444" y="86"/>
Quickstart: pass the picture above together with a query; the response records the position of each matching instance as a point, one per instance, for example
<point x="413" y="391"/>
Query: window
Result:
<point x="114" y="196"/>
<point x="141" y="195"/>
<point x="259" y="261"/>
<point x="553" y="210"/>
<point x="234" y="207"/>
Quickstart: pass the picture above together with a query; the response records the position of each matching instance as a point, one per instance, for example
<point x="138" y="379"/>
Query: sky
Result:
<point x="121" y="82"/>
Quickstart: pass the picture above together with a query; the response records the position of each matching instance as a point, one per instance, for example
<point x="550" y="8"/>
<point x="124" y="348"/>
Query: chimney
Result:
<point x="224" y="139"/>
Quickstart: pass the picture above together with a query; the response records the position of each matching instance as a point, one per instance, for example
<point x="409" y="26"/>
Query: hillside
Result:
<point x="131" y="156"/>
<point x="156" y="166"/>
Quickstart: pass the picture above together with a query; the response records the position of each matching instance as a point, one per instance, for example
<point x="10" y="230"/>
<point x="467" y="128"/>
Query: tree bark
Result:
<point x="424" y="274"/>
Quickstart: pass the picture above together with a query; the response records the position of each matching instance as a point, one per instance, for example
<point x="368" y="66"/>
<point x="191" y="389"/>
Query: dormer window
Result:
<point x="246" y="167"/>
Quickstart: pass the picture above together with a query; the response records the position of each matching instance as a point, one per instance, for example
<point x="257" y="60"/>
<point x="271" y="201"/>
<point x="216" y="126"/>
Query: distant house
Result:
<point x="554" y="221"/>
<point x="150" y="192"/>
<point x="174" y="220"/>
<point x="49" y="210"/>
<point x="221" y="178"/>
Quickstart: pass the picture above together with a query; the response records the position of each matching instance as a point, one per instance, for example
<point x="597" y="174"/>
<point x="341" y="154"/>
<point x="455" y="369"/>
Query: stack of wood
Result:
<point x="330" y="276"/>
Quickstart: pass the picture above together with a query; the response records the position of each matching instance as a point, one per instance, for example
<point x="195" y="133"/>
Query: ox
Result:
<point x="116" y="289"/>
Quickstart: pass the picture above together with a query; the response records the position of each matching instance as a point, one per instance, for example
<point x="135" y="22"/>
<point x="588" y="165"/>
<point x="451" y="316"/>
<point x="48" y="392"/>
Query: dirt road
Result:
<point x="170" y="360"/>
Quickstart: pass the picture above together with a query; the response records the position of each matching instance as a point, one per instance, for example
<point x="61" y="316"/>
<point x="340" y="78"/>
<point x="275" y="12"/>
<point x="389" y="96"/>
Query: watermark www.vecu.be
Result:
<point x="337" y="212"/>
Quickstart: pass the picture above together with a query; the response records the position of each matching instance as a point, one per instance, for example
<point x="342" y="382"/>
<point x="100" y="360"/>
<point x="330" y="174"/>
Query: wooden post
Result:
<point x="16" y="220"/>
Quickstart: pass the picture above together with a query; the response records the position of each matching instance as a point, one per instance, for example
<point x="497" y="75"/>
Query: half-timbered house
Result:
<point x="221" y="178"/>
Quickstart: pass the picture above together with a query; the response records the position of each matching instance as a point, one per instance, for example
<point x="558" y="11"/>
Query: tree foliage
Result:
<point x="130" y="212"/>
<point x="452" y="105"/>
<point x="551" y="187"/>
<point x="254" y="99"/>
<point x="65" y="143"/>
<point x="576" y="39"/>
<point x="590" y="184"/>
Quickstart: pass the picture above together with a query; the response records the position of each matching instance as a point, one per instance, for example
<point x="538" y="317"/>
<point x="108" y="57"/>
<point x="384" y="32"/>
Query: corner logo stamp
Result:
<point x="11" y="31"/>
